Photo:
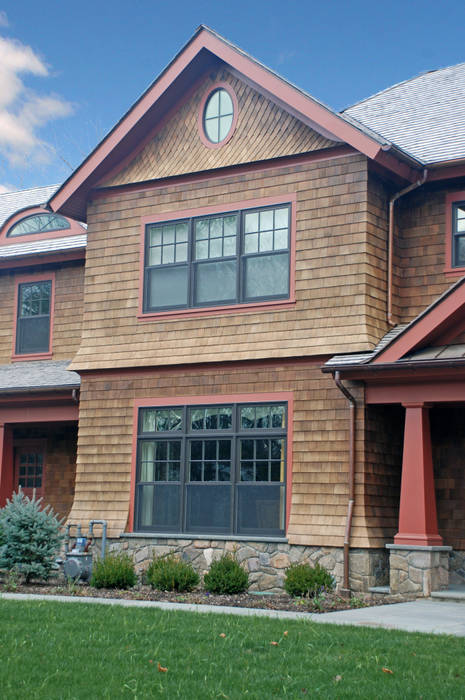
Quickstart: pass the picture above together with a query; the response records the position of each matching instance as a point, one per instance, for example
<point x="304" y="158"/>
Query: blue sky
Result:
<point x="69" y="70"/>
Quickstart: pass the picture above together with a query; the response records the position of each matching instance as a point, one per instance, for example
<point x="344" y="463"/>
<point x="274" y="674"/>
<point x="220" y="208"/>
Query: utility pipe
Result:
<point x="392" y="201"/>
<point x="351" y="478"/>
<point x="103" y="523"/>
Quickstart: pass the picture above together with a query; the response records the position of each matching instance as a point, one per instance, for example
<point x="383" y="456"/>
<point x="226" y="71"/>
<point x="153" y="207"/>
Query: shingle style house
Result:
<point x="267" y="346"/>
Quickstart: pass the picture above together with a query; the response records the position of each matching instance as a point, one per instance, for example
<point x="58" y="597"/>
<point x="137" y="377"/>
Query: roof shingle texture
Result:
<point x="47" y="374"/>
<point x="424" y="116"/>
<point x="11" y="202"/>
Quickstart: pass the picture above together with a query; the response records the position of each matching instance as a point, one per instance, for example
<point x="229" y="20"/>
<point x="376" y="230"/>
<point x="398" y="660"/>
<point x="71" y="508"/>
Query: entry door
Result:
<point x="29" y="469"/>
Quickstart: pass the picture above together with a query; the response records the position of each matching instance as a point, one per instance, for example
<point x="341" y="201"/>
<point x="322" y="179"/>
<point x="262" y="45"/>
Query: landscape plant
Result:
<point x="116" y="570"/>
<point x="30" y="537"/>
<point x="304" y="580"/>
<point x="226" y="576"/>
<point x="169" y="572"/>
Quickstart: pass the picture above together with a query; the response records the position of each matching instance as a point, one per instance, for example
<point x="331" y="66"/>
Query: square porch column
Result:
<point x="418" y="523"/>
<point x="6" y="463"/>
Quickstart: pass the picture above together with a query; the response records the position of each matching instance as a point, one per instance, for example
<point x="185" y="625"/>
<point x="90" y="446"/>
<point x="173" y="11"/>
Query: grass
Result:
<point x="70" y="651"/>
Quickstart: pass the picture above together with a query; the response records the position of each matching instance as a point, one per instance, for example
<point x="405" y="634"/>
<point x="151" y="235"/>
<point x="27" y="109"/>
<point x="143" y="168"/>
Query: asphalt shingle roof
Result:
<point x="424" y="116"/>
<point x="46" y="374"/>
<point x="44" y="246"/>
<point x="11" y="202"/>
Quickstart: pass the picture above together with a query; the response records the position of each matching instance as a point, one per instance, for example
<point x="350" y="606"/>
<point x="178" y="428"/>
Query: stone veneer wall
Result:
<point x="457" y="568"/>
<point x="265" y="562"/>
<point x="418" y="570"/>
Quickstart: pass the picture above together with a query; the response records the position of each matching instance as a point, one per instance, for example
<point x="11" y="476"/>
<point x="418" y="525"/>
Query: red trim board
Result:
<point x="38" y="277"/>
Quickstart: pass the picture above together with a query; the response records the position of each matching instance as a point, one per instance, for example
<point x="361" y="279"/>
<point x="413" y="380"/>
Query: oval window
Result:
<point x="218" y="116"/>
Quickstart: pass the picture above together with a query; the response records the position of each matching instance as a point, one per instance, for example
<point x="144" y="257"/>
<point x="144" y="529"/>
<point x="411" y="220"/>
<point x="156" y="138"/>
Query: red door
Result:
<point x="29" y="469"/>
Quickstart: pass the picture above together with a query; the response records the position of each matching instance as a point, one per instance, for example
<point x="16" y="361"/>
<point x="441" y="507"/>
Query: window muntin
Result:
<point x="38" y="223"/>
<point x="218" y="115"/>
<point x="458" y="234"/>
<point x="232" y="258"/>
<point x="224" y="473"/>
<point x="33" y="317"/>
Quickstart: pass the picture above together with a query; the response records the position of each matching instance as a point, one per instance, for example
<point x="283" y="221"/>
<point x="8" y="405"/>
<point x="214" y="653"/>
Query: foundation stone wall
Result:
<point x="418" y="570"/>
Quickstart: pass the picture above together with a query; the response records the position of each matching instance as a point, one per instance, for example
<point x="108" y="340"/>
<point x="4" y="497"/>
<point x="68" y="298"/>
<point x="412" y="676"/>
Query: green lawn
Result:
<point x="60" y="650"/>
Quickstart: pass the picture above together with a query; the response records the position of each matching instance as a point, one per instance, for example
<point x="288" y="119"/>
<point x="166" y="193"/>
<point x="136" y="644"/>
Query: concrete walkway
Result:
<point x="417" y="616"/>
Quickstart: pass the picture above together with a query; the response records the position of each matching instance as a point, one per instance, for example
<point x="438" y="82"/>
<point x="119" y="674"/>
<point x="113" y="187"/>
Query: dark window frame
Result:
<point x="23" y="320"/>
<point x="187" y="435"/>
<point x="240" y="258"/>
<point x="456" y="235"/>
<point x="58" y="218"/>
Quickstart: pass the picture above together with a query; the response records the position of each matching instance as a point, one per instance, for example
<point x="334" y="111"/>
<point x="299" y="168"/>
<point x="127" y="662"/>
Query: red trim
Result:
<point x="446" y="314"/>
<point x="451" y="197"/>
<point x="39" y="414"/>
<point x="406" y="172"/>
<point x="214" y="399"/>
<point x="43" y="259"/>
<point x="450" y="391"/>
<point x="447" y="172"/>
<point x="290" y="198"/>
<point x="38" y="277"/>
<point x="74" y="229"/>
<point x="218" y="173"/>
<point x="200" y="126"/>
<point x="304" y="105"/>
<point x="6" y="463"/>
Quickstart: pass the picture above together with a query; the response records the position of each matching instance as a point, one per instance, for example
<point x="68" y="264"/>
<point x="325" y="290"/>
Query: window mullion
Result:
<point x="190" y="263"/>
<point x="240" y="219"/>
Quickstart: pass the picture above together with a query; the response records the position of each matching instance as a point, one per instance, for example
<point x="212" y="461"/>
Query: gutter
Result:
<point x="351" y="478"/>
<point x="392" y="201"/>
<point x="396" y="366"/>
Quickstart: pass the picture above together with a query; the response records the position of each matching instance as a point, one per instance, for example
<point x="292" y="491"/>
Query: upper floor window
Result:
<point x="218" y="469"/>
<point x="458" y="234"/>
<point x="38" y="223"/>
<point x="220" y="259"/>
<point x="33" y="317"/>
<point x="218" y="115"/>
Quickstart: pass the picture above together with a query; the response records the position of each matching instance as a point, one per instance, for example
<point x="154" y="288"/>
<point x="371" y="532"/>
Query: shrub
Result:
<point x="170" y="573"/>
<point x="30" y="537"/>
<point x="304" y="580"/>
<point x="114" y="571"/>
<point x="227" y="576"/>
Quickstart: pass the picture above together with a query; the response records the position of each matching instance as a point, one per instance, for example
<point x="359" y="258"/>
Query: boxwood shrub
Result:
<point x="304" y="580"/>
<point x="226" y="576"/>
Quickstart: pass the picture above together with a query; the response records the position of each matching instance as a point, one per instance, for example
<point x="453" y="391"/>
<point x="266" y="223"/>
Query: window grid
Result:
<point x="33" y="317"/>
<point x="38" y="223"/>
<point x="458" y="234"/>
<point x="219" y="268"/>
<point x="218" y="115"/>
<point x="223" y="443"/>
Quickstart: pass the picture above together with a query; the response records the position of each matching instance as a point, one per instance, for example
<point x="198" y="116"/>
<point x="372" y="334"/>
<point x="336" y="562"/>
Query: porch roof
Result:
<point x="38" y="375"/>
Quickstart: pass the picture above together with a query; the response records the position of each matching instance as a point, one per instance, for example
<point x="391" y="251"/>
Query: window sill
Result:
<point x="454" y="271"/>
<point x="190" y="536"/>
<point x="32" y="356"/>
<point x="218" y="310"/>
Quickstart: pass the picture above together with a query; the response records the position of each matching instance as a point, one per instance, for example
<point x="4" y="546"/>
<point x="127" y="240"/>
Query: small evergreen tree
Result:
<point x="30" y="535"/>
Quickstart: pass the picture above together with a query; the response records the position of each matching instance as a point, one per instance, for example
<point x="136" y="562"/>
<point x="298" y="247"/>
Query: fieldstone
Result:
<point x="260" y="546"/>
<point x="264" y="558"/>
<point x="416" y="575"/>
<point x="208" y="554"/>
<point x="201" y="544"/>
<point x="397" y="562"/>
<point x="359" y="561"/>
<point x="244" y="553"/>
<point x="280" y="561"/>
<point x="141" y="555"/>
<point x="327" y="562"/>
<point x="408" y="586"/>
<point x="230" y="546"/>
<point x="266" y="582"/>
<point x="253" y="564"/>
<point x="420" y="560"/>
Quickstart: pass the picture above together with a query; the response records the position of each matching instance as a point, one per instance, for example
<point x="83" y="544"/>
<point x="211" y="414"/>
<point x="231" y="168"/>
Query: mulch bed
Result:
<point x="326" y="602"/>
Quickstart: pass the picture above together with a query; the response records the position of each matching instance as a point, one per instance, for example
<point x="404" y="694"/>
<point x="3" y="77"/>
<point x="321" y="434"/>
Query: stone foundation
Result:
<point x="265" y="562"/>
<point x="457" y="568"/>
<point x="418" y="570"/>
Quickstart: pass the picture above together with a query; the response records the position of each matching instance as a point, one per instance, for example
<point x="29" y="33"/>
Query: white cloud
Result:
<point x="4" y="188"/>
<point x="3" y="19"/>
<point x="22" y="111"/>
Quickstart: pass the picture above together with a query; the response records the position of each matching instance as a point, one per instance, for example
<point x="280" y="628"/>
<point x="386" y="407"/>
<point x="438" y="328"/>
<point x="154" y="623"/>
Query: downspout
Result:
<point x="392" y="201"/>
<point x="351" y="479"/>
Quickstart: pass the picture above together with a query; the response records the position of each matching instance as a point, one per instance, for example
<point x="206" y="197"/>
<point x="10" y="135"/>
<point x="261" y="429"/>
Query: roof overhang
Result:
<point x="203" y="51"/>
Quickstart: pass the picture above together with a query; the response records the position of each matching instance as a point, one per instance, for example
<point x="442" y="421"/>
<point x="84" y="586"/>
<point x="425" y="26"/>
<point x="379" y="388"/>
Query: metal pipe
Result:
<point x="103" y="523"/>
<point x="392" y="201"/>
<point x="351" y="476"/>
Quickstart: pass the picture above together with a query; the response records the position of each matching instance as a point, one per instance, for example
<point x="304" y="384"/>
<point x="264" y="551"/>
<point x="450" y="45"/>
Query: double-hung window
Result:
<point x="33" y="317"/>
<point x="458" y="234"/>
<point x="215" y="470"/>
<point x="221" y="259"/>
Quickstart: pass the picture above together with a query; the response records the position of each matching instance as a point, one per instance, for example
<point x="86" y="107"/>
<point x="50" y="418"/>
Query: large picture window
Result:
<point x="215" y="470"/>
<point x="33" y="317"/>
<point x="220" y="259"/>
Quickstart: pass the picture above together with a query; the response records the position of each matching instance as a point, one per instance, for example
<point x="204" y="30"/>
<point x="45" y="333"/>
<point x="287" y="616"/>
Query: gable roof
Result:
<point x="13" y="202"/>
<point x="202" y="51"/>
<point x="424" y="116"/>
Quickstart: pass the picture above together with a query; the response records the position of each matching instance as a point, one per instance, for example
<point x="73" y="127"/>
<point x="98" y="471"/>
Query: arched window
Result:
<point x="38" y="223"/>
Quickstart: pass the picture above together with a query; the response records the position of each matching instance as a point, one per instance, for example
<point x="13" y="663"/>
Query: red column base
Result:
<point x="423" y="540"/>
